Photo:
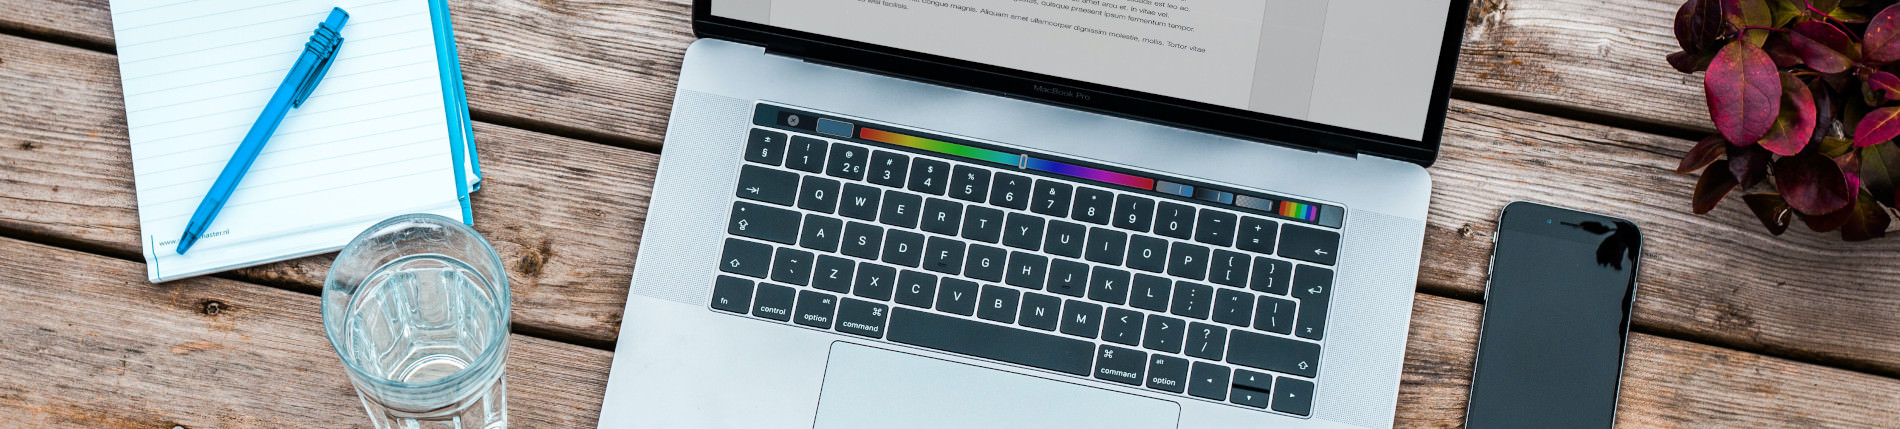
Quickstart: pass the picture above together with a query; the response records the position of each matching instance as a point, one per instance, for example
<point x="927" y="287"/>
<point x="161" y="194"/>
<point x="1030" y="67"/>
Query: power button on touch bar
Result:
<point x="836" y="128"/>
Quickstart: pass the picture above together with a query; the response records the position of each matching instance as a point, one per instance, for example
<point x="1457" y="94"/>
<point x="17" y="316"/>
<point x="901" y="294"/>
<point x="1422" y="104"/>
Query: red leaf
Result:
<point x="1771" y="210"/>
<point x="1811" y="183"/>
<point x="1744" y="92"/>
<point x="1690" y="63"/>
<point x="1709" y="190"/>
<point x="1749" y="164"/>
<point x="1823" y="109"/>
<point x="1882" y="42"/>
<point x="1704" y="153"/>
<point x="1819" y="56"/>
<point x="1794" y="126"/>
<point x="1866" y="220"/>
<point x="1698" y="25"/>
<point x="1878" y="126"/>
<point x="1782" y="51"/>
<point x="1849" y="164"/>
<point x="1749" y="13"/>
<point x="1827" y="34"/>
<point x="1885" y="84"/>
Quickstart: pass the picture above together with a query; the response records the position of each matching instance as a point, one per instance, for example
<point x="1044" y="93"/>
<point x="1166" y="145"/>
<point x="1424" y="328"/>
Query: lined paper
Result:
<point x="369" y="144"/>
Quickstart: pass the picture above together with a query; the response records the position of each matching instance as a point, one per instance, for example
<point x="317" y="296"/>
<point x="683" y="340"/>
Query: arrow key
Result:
<point x="1209" y="381"/>
<point x="1293" y="396"/>
<point x="1309" y="244"/>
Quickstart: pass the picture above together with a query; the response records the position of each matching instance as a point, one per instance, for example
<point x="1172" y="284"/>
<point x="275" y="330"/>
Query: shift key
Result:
<point x="763" y="222"/>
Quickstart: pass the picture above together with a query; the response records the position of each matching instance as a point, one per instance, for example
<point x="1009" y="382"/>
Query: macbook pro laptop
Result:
<point x="1037" y="214"/>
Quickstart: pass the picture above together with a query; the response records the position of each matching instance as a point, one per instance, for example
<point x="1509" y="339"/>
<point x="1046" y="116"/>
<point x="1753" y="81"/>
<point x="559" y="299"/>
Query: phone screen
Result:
<point x="1556" y="317"/>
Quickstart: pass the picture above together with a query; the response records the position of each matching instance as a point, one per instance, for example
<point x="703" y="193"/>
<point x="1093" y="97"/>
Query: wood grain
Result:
<point x="87" y="343"/>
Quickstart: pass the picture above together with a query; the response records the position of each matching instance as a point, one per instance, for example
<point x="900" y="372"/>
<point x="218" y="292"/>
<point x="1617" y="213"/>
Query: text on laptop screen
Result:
<point x="1367" y="65"/>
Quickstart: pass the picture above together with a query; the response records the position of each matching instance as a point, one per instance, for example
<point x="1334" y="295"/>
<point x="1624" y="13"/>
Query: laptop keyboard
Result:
<point x="1178" y="294"/>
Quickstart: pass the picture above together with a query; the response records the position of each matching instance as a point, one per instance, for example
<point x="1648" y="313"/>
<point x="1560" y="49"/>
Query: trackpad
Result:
<point x="874" y="388"/>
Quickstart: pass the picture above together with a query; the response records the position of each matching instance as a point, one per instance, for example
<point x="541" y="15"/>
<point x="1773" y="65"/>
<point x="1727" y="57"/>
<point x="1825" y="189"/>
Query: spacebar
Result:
<point x="984" y="340"/>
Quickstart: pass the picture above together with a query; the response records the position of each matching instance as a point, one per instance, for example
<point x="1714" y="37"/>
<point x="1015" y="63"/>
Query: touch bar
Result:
<point x="942" y="147"/>
<point x="1095" y="174"/>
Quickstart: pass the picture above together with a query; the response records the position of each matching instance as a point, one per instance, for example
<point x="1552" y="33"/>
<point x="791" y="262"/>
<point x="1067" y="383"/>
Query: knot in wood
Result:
<point x="212" y="307"/>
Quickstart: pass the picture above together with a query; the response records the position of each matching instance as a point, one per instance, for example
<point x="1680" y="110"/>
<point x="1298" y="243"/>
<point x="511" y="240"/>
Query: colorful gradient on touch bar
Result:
<point x="1095" y="174"/>
<point x="942" y="147"/>
<point x="1298" y="210"/>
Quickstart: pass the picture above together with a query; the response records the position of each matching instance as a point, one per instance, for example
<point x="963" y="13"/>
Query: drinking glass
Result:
<point x="417" y="308"/>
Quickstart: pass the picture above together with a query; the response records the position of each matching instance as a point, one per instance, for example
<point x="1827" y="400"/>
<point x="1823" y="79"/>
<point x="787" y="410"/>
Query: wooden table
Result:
<point x="1563" y="101"/>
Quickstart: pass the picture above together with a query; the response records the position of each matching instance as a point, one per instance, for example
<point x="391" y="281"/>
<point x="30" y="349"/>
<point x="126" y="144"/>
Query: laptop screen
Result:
<point x="1365" y="65"/>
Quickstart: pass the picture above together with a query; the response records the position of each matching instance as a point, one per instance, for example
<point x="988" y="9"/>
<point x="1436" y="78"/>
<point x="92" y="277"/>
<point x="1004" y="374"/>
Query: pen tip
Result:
<point x="185" y="243"/>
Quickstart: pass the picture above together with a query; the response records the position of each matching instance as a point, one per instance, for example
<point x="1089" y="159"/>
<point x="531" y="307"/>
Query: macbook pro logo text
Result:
<point x="1078" y="95"/>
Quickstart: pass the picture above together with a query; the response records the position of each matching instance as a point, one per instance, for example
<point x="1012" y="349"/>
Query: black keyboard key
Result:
<point x="901" y="209"/>
<point x="1167" y="373"/>
<point x="1081" y="318"/>
<point x="1163" y="333"/>
<point x="1051" y="198"/>
<point x="1026" y="270"/>
<point x="1209" y="381"/>
<point x="969" y="183"/>
<point x="862" y="240"/>
<point x="746" y="258"/>
<point x="1174" y="220"/>
<point x="1313" y="286"/>
<point x="1293" y="396"/>
<point x="1122" y="326"/>
<point x="1271" y="275"/>
<point x="773" y="302"/>
<point x="815" y="309"/>
<point x="765" y="147"/>
<point x="1256" y="234"/>
<point x="792" y="266"/>
<point x="1068" y="278"/>
<point x="1010" y="191"/>
<point x="1193" y="300"/>
<point x="763" y="222"/>
<point x="764" y="184"/>
<point x="806" y="154"/>
<point x="943" y="255"/>
<point x="862" y="318"/>
<point x="1109" y="285"/>
<point x="1233" y="307"/>
<point x="1151" y="293"/>
<point x="859" y="202"/>
<point x="1274" y="315"/>
<point x="929" y="176"/>
<point x="985" y="263"/>
<point x="1120" y="365"/>
<point x="1065" y="238"/>
<point x="834" y="274"/>
<point x="821" y="233"/>
<point x="1188" y="260"/>
<point x="998" y="304"/>
<point x="1278" y="354"/>
<point x="957" y="296"/>
<point x="1309" y="244"/>
<point x="1094" y="206"/>
<point x="916" y="289"/>
<point x="942" y="216"/>
<point x="1023" y="232"/>
<point x="1040" y="311"/>
<point x="1134" y="213"/>
<point x="1229" y="268"/>
<point x="1253" y="380"/>
<point x="1249" y="397"/>
<point x="875" y="281"/>
<point x="847" y="161"/>
<point x="1206" y="341"/>
<point x="1107" y="246"/>
<point x="903" y="247"/>
<point x="818" y="194"/>
<point x="1215" y="227"/>
<point x="983" y="224"/>
<point x="732" y="294"/>
<point x="889" y="168"/>
<point x="1002" y="343"/>
<point x="1147" y="253"/>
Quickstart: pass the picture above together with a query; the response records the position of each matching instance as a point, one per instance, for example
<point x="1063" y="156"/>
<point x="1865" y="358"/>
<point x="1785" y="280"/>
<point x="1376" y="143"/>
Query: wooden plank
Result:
<point x="86" y="342"/>
<point x="83" y="21"/>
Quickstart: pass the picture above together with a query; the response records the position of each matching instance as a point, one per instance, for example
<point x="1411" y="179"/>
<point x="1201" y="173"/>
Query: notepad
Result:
<point x="386" y="132"/>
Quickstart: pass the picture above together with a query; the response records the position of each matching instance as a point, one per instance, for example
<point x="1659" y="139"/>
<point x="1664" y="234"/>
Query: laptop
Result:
<point x="1036" y="214"/>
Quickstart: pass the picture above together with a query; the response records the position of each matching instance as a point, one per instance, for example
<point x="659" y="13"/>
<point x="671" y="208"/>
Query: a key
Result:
<point x="1108" y="285"/>
<point x="1313" y="286"/>
<point x="1010" y="191"/>
<point x="764" y="184"/>
<point x="1209" y="381"/>
<point x="888" y="168"/>
<point x="1092" y="205"/>
<point x="983" y="224"/>
<point x="1107" y="246"/>
<point x="763" y="222"/>
<point x="985" y="263"/>
<point x="1167" y="373"/>
<point x="1256" y="235"/>
<point x="1163" y="334"/>
<point x="773" y="302"/>
<point x="1147" y="253"/>
<point x="815" y="309"/>
<point x="1309" y="244"/>
<point x="1215" y="227"/>
<point x="1081" y="318"/>
<point x="1271" y="275"/>
<point x="1134" y="213"/>
<point x="1122" y="326"/>
<point x="862" y="317"/>
<point x="746" y="258"/>
<point x="1003" y="343"/>
<point x="1293" y="396"/>
<point x="1040" y="311"/>
<point x="1229" y="268"/>
<point x="1068" y="278"/>
<point x="969" y="183"/>
<point x="957" y="296"/>
<point x="818" y="194"/>
<point x="1064" y="238"/>
<point x="903" y="247"/>
<point x="1174" y="220"/>
<point x="1206" y="341"/>
<point x="1026" y="270"/>
<point x="943" y="255"/>
<point x="821" y="233"/>
<point x="862" y="240"/>
<point x="1274" y="315"/>
<point x="998" y="304"/>
<point x="1051" y="198"/>
<point x="916" y="289"/>
<point x="1278" y="354"/>
<point x="875" y="281"/>
<point x="859" y="202"/>
<point x="901" y="209"/>
<point x="1233" y="307"/>
<point x="1120" y="365"/>
<point x="847" y="161"/>
<point x="732" y="294"/>
<point x="806" y="154"/>
<point x="1151" y="293"/>
<point x="1187" y="260"/>
<point x="765" y="147"/>
<point x="1193" y="300"/>
<point x="792" y="266"/>
<point x="942" y="216"/>
<point x="929" y="176"/>
<point x="834" y="274"/>
<point x="1023" y="232"/>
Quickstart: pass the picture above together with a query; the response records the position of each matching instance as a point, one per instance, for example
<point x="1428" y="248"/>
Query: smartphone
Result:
<point x="1556" y="320"/>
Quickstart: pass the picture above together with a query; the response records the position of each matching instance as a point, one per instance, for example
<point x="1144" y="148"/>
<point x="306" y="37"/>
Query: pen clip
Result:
<point x="324" y="44"/>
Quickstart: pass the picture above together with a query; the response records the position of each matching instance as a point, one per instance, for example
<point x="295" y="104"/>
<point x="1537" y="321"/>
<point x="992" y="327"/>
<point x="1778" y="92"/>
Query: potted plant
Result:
<point x="1805" y="98"/>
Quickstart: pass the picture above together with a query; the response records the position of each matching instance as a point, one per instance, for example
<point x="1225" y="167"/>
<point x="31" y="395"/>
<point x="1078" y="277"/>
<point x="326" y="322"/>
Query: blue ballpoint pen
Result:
<point x="303" y="78"/>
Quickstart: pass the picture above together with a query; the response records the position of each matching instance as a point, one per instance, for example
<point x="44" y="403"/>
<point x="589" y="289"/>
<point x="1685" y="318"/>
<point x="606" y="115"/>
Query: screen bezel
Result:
<point x="1521" y="218"/>
<point x="1098" y="98"/>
